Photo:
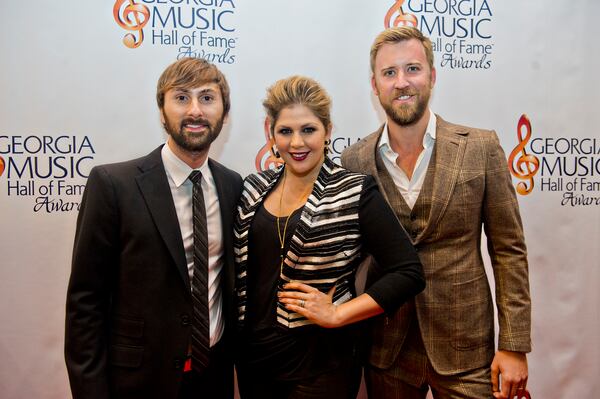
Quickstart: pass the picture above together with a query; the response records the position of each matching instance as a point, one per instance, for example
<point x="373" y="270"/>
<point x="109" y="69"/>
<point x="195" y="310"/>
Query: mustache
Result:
<point x="195" y="121"/>
<point x="405" y="92"/>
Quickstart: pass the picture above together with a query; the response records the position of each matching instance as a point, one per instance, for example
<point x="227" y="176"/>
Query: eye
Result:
<point x="308" y="129"/>
<point x="413" y="68"/>
<point x="206" y="98"/>
<point x="389" y="73"/>
<point x="181" y="98"/>
<point x="284" y="131"/>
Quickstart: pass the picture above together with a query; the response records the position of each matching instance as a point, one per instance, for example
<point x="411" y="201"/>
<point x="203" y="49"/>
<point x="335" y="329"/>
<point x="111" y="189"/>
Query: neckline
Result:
<point x="271" y="216"/>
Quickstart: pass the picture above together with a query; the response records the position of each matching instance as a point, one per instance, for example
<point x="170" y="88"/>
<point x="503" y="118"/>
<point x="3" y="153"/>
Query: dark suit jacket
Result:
<point x="471" y="188"/>
<point x="129" y="303"/>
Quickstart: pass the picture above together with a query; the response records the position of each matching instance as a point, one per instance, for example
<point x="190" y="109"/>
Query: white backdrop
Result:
<point x="74" y="95"/>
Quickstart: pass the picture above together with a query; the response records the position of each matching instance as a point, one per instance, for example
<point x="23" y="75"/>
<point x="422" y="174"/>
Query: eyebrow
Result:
<point x="403" y="65"/>
<point x="388" y="67"/>
<point x="308" y="124"/>
<point x="187" y="91"/>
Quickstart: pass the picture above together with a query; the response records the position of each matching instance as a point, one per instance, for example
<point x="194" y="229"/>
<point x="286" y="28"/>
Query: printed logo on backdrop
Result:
<point x="460" y="30"/>
<point x="192" y="28"/>
<point x="49" y="172"/>
<point x="568" y="166"/>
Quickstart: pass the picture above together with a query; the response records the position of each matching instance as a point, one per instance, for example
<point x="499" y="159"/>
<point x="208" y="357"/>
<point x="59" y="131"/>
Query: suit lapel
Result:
<point x="155" y="189"/>
<point x="367" y="161"/>
<point x="225" y="194"/>
<point x="449" y="152"/>
<point x="227" y="201"/>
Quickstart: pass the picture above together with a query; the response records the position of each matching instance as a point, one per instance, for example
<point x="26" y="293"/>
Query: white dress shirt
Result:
<point x="181" y="189"/>
<point x="409" y="188"/>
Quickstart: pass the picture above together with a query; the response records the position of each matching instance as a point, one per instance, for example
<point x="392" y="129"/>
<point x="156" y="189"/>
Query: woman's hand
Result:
<point x="318" y="307"/>
<point x="311" y="303"/>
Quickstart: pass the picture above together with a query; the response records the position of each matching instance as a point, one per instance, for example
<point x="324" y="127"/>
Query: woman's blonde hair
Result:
<point x="297" y="90"/>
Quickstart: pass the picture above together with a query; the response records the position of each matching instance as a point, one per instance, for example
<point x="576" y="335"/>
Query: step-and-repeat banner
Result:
<point x="78" y="89"/>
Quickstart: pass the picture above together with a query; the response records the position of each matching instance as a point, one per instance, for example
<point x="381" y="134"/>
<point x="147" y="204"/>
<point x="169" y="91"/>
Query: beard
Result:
<point x="193" y="142"/>
<point x="406" y="115"/>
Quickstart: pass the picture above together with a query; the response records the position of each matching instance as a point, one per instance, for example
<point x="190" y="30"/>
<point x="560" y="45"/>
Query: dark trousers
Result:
<point x="341" y="383"/>
<point x="216" y="382"/>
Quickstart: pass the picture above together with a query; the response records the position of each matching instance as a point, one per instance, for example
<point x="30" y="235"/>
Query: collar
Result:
<point x="428" y="138"/>
<point x="178" y="170"/>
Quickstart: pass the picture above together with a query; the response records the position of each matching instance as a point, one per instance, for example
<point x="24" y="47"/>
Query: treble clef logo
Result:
<point x="526" y="165"/>
<point x="132" y="17"/>
<point x="265" y="159"/>
<point x="401" y="19"/>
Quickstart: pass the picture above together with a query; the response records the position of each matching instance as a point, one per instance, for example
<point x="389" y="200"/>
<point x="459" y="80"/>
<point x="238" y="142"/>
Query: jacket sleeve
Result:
<point x="95" y="256"/>
<point x="508" y="254"/>
<point x="385" y="239"/>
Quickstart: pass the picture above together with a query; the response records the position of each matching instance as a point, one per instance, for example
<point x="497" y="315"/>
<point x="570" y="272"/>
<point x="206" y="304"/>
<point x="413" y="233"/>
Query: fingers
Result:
<point x="516" y="386"/>
<point x="296" y="308"/>
<point x="505" y="390"/>
<point x="331" y="292"/>
<point x="495" y="374"/>
<point x="522" y="393"/>
<point x="299" y="287"/>
<point x="509" y="387"/>
<point x="514" y="390"/>
<point x="292" y="295"/>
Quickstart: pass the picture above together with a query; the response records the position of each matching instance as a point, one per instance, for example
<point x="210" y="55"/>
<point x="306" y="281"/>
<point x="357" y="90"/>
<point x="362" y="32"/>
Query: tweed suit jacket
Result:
<point x="471" y="189"/>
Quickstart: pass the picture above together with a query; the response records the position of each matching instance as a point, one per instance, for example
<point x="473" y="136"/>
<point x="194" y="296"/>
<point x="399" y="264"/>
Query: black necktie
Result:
<point x="200" y="323"/>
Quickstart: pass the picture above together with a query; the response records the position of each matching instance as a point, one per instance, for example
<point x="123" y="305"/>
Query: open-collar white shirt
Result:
<point x="409" y="188"/>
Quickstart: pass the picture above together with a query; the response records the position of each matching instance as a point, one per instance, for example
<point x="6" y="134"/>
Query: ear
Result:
<point x="433" y="76"/>
<point x="374" y="85"/>
<point x="328" y="131"/>
<point x="162" y="116"/>
<point x="226" y="118"/>
<point x="267" y="129"/>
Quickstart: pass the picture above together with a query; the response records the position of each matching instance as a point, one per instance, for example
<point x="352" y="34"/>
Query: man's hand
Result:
<point x="509" y="374"/>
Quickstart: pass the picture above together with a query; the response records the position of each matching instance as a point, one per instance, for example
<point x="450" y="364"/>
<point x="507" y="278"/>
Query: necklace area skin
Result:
<point x="287" y="219"/>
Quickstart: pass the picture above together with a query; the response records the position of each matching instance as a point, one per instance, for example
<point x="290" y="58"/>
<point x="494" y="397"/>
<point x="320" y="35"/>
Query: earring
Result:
<point x="275" y="152"/>
<point x="326" y="150"/>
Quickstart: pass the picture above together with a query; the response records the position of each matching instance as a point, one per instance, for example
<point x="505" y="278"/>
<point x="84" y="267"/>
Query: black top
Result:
<point x="285" y="354"/>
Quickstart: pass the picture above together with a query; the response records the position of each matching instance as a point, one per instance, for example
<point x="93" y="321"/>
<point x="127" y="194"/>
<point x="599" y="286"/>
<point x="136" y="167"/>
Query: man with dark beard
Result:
<point x="445" y="182"/>
<point x="149" y="303"/>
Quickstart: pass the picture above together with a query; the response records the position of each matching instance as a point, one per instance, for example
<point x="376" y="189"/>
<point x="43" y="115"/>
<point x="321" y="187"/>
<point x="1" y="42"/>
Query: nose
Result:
<point x="195" y="108"/>
<point x="401" y="82"/>
<point x="296" y="140"/>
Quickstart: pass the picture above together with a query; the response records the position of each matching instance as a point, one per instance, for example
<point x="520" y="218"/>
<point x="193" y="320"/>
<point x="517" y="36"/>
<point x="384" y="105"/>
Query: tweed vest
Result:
<point x="414" y="221"/>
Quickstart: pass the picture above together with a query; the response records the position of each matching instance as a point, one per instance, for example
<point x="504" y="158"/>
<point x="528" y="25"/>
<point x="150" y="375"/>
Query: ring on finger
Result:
<point x="301" y="303"/>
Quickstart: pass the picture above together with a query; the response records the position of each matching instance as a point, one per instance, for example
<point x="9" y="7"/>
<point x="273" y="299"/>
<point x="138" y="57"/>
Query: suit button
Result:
<point x="177" y="363"/>
<point x="185" y="320"/>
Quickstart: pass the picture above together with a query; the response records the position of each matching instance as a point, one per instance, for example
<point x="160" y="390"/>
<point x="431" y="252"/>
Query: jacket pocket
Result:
<point x="472" y="313"/>
<point x="126" y="326"/>
<point x="126" y="355"/>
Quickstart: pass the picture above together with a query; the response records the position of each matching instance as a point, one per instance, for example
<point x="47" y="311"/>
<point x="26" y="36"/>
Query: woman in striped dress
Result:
<point x="301" y="232"/>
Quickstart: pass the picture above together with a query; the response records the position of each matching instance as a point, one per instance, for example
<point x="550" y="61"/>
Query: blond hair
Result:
<point x="298" y="90"/>
<point x="399" y="34"/>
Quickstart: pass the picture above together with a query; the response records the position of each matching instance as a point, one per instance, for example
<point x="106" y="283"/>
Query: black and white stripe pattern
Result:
<point x="200" y="320"/>
<point x="325" y="248"/>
